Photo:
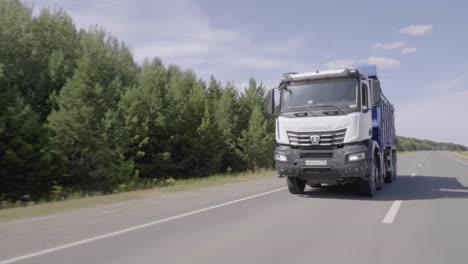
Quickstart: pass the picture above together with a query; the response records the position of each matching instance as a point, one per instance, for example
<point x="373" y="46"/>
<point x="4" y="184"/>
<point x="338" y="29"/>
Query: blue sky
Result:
<point x="421" y="47"/>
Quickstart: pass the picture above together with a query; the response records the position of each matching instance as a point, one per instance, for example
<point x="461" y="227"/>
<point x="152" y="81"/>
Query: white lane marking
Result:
<point x="126" y="230"/>
<point x="419" y="165"/>
<point x="447" y="155"/>
<point x="453" y="190"/>
<point x="391" y="214"/>
<point x="413" y="174"/>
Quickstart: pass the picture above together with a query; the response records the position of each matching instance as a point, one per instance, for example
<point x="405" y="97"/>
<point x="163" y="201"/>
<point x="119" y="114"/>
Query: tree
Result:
<point x="214" y="92"/>
<point x="27" y="165"/>
<point x="87" y="132"/>
<point x="55" y="50"/>
<point x="257" y="142"/>
<point x="145" y="108"/>
<point x="227" y="119"/>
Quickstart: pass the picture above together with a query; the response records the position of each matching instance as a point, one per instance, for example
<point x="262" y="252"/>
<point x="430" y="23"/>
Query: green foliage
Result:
<point x="413" y="144"/>
<point x="257" y="141"/>
<point x="27" y="167"/>
<point x="87" y="130"/>
<point x="146" y="111"/>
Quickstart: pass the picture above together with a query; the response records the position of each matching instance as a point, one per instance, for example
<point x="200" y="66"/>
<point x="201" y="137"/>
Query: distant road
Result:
<point x="421" y="218"/>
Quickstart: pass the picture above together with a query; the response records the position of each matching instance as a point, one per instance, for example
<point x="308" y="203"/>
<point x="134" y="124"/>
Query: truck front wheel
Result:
<point x="368" y="187"/>
<point x="296" y="185"/>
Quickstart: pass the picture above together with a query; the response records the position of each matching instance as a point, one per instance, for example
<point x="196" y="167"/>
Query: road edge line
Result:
<point x="449" y="156"/>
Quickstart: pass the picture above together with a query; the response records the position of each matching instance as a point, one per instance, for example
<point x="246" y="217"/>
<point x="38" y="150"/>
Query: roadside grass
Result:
<point x="77" y="201"/>
<point x="461" y="154"/>
<point x="403" y="153"/>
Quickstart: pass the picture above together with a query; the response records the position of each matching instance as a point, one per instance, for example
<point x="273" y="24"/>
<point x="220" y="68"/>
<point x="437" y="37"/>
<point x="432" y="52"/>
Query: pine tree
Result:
<point x="214" y="92"/>
<point x="251" y="98"/>
<point x="227" y="120"/>
<point x="27" y="165"/>
<point x="257" y="142"/>
<point x="146" y="115"/>
<point x="87" y="131"/>
<point x="210" y="150"/>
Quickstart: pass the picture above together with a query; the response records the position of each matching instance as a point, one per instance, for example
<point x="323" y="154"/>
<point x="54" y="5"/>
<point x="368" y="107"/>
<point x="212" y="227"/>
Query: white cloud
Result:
<point x="416" y="30"/>
<point x="409" y="50"/>
<point x="339" y="64"/>
<point x="383" y="62"/>
<point x="440" y="117"/>
<point x="389" y="46"/>
<point x="186" y="36"/>
<point x="447" y="86"/>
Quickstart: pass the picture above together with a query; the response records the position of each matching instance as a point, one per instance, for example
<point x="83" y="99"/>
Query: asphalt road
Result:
<point x="421" y="218"/>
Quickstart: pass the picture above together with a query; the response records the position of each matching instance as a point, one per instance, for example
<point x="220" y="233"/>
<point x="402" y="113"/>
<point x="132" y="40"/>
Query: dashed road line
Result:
<point x="392" y="212"/>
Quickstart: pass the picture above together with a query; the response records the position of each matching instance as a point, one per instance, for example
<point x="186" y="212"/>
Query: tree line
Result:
<point x="413" y="144"/>
<point x="79" y="115"/>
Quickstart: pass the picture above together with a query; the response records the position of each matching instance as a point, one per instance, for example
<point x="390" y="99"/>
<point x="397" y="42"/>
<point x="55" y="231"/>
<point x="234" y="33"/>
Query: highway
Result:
<point x="420" y="218"/>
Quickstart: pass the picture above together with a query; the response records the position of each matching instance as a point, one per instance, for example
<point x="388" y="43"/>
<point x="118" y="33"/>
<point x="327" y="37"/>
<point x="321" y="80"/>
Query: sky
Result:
<point x="420" y="47"/>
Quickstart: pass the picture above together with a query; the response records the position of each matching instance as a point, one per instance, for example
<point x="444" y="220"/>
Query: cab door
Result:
<point x="365" y="119"/>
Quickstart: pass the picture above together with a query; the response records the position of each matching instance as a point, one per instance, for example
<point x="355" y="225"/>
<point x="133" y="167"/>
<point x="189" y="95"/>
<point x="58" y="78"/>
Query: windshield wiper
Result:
<point x="336" y="107"/>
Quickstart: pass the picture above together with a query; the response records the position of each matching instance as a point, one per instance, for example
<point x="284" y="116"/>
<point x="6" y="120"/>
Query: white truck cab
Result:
<point x="325" y="131"/>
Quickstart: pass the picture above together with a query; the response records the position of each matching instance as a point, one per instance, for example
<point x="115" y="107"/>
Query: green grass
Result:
<point x="46" y="208"/>
<point x="461" y="154"/>
<point x="403" y="153"/>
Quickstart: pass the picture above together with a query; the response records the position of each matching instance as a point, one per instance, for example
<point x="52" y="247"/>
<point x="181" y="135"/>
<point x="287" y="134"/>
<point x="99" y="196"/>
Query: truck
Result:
<point x="333" y="127"/>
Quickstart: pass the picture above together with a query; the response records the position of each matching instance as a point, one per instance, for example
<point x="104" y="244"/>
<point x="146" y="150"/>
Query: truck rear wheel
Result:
<point x="295" y="185"/>
<point x="391" y="175"/>
<point x="389" y="171"/>
<point x="394" y="166"/>
<point x="368" y="187"/>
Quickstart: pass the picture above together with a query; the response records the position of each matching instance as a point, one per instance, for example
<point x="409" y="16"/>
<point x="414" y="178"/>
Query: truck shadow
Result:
<point x="405" y="188"/>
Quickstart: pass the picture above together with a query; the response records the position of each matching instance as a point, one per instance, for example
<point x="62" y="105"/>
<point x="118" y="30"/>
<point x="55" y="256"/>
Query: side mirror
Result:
<point x="375" y="92"/>
<point x="270" y="101"/>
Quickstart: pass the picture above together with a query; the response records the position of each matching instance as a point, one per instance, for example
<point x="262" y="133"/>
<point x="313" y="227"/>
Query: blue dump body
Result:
<point x="383" y="119"/>
<point x="383" y="124"/>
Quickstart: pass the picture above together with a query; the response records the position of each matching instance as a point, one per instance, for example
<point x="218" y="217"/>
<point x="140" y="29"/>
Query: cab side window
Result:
<point x="365" y="95"/>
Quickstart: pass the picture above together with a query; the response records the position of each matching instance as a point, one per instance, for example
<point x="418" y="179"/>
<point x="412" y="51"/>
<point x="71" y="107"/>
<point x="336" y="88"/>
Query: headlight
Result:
<point x="281" y="157"/>
<point x="356" y="156"/>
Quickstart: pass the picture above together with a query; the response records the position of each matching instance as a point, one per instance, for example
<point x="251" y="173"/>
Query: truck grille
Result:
<point x="326" y="138"/>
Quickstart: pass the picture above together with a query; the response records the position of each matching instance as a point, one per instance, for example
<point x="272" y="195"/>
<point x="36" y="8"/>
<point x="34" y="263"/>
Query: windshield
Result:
<point x="339" y="93"/>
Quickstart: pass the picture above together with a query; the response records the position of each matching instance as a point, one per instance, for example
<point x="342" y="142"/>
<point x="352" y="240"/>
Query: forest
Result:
<point x="79" y="115"/>
<point x="413" y="144"/>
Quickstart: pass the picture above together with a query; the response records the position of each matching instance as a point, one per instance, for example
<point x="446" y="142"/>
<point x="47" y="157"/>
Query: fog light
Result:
<point x="356" y="156"/>
<point x="281" y="157"/>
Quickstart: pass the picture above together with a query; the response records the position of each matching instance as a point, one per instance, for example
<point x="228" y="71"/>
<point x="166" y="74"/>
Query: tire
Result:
<point x="380" y="182"/>
<point x="389" y="174"/>
<point x="368" y="187"/>
<point x="295" y="185"/>
<point x="394" y="169"/>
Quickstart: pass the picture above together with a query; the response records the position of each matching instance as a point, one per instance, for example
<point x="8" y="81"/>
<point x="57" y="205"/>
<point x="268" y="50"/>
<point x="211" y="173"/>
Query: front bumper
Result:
<point x="336" y="168"/>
